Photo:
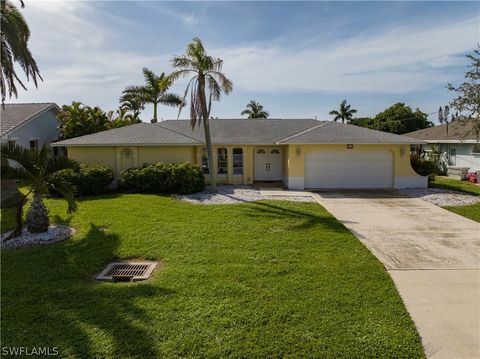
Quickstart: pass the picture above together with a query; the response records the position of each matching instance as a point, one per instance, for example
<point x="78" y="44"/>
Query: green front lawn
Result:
<point x="471" y="211"/>
<point x="255" y="280"/>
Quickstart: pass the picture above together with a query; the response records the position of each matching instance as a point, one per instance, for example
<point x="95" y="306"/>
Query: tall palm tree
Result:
<point x="154" y="91"/>
<point x="35" y="169"/>
<point x="207" y="81"/>
<point x="14" y="35"/>
<point x="255" y="110"/>
<point x="345" y="113"/>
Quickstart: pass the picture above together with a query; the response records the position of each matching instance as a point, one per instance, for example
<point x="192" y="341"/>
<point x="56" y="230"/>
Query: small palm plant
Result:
<point x="154" y="91"/>
<point x="345" y="113"/>
<point x="207" y="83"/>
<point x="35" y="170"/>
<point x="255" y="110"/>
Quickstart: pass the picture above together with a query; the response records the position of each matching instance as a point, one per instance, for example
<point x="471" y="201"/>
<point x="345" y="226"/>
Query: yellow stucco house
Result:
<point x="302" y="153"/>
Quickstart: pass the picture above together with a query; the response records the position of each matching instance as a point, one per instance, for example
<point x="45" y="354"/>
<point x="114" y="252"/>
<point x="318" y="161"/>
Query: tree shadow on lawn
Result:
<point x="63" y="306"/>
<point x="303" y="219"/>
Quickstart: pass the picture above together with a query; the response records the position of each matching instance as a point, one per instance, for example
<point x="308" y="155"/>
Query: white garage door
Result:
<point x="349" y="169"/>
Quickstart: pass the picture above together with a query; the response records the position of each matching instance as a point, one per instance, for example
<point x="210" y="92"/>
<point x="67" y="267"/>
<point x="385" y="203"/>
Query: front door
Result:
<point x="268" y="164"/>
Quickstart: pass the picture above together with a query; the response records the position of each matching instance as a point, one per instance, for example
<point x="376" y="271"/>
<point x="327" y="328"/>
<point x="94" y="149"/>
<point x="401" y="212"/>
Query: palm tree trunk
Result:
<point x="206" y="128"/>
<point x="37" y="215"/>
<point x="155" y="120"/>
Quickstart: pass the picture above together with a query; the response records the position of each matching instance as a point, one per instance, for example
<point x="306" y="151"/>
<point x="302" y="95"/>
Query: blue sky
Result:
<point x="299" y="59"/>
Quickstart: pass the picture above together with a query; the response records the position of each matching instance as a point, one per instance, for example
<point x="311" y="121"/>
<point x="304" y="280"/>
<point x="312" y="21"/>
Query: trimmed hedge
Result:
<point x="425" y="167"/>
<point x="88" y="179"/>
<point x="165" y="178"/>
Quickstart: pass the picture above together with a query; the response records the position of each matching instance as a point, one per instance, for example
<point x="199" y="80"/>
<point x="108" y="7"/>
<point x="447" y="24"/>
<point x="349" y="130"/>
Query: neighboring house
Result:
<point x="30" y="125"/>
<point x="456" y="143"/>
<point x="301" y="153"/>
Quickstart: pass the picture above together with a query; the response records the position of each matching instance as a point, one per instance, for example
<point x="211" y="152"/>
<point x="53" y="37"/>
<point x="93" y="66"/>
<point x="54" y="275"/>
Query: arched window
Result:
<point x="237" y="161"/>
<point x="275" y="152"/>
<point x="222" y="161"/>
<point x="261" y="151"/>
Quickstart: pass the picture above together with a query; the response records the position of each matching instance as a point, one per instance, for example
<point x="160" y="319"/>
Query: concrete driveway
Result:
<point x="432" y="255"/>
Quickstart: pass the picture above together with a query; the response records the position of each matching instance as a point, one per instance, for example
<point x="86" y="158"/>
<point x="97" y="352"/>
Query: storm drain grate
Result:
<point x="127" y="271"/>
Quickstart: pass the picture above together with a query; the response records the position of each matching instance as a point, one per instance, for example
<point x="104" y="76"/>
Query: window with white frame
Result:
<point x="237" y="161"/>
<point x="222" y="161"/>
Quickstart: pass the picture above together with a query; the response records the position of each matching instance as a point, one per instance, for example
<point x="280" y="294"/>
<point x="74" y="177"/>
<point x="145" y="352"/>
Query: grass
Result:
<point x="255" y="280"/>
<point x="471" y="211"/>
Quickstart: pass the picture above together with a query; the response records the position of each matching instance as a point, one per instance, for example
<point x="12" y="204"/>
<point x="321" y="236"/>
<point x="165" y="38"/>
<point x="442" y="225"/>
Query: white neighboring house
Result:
<point x="457" y="143"/>
<point x="30" y="125"/>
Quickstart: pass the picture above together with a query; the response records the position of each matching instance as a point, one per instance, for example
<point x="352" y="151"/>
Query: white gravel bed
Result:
<point x="235" y="194"/>
<point x="441" y="197"/>
<point x="55" y="233"/>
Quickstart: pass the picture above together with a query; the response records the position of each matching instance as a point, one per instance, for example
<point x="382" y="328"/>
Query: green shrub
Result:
<point x="88" y="179"/>
<point x="424" y="167"/>
<point x="165" y="178"/>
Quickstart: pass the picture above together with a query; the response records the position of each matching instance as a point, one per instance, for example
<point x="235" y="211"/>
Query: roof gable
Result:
<point x="14" y="115"/>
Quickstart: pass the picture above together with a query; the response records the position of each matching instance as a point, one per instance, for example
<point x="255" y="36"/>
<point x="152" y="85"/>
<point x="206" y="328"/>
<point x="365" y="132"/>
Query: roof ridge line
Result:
<point x="302" y="132"/>
<point x="178" y="133"/>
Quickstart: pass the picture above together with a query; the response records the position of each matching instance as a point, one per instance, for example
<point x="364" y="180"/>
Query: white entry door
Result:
<point x="268" y="164"/>
<point x="349" y="169"/>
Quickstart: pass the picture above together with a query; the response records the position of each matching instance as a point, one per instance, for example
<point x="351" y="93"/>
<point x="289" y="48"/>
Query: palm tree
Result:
<point x="154" y="91"/>
<point x="132" y="104"/>
<point x="255" y="110"/>
<point x="14" y="35"/>
<point x="207" y="81"/>
<point x="35" y="169"/>
<point x="345" y="113"/>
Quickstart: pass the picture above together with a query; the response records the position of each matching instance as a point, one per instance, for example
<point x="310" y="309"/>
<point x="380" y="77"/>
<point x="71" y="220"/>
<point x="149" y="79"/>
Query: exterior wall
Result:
<point x="465" y="156"/>
<point x="293" y="160"/>
<point x="112" y="155"/>
<point x="404" y="176"/>
<point x="44" y="128"/>
<point x="170" y="154"/>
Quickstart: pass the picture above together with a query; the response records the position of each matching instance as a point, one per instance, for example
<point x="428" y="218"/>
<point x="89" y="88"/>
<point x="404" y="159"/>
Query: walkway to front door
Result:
<point x="267" y="164"/>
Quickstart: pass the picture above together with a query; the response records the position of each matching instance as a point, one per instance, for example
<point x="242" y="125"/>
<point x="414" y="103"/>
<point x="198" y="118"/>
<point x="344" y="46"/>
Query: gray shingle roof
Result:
<point x="137" y="134"/>
<point x="454" y="131"/>
<point x="13" y="115"/>
<point x="340" y="133"/>
<point x="243" y="131"/>
<point x="271" y="131"/>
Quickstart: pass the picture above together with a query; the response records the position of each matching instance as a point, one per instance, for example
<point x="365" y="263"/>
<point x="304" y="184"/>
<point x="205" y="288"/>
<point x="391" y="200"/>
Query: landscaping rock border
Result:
<point x="441" y="197"/>
<point x="230" y="194"/>
<point x="55" y="233"/>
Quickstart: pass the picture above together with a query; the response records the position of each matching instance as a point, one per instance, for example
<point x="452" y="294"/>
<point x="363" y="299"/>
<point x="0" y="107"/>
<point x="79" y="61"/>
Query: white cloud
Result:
<point x="398" y="61"/>
<point x="81" y="56"/>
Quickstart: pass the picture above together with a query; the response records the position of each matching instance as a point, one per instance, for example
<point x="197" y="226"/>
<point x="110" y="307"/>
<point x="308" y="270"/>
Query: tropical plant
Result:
<point x="467" y="102"/>
<point x="14" y="36"/>
<point x="121" y="117"/>
<point x="78" y="120"/>
<point x="345" y="113"/>
<point x="133" y="104"/>
<point x="36" y="170"/>
<point x="207" y="81"/>
<point x="398" y="118"/>
<point x="254" y="110"/>
<point x="154" y="91"/>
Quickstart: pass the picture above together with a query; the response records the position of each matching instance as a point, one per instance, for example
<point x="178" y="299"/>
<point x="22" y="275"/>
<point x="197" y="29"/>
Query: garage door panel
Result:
<point x="349" y="169"/>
